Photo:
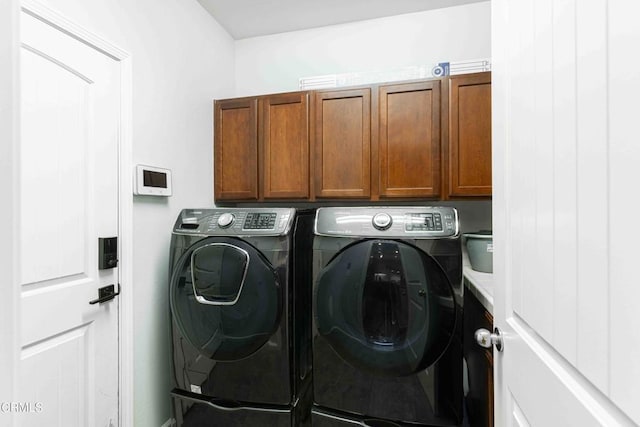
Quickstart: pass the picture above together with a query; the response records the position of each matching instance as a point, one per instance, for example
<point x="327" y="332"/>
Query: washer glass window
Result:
<point x="225" y="298"/>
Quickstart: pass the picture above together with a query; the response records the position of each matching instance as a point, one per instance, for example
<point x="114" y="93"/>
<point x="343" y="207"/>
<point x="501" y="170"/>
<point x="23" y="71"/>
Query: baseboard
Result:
<point x="169" y="423"/>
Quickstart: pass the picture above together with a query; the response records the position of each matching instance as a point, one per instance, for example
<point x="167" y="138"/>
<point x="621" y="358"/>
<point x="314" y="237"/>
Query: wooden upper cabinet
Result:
<point x="343" y="143"/>
<point x="284" y="142"/>
<point x="422" y="139"/>
<point x="236" y="149"/>
<point x="469" y="159"/>
<point x="262" y="147"/>
<point x="409" y="139"/>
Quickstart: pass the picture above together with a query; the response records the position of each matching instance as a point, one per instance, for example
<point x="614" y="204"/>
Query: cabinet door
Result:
<point x="342" y="143"/>
<point x="470" y="135"/>
<point x="479" y="398"/>
<point x="236" y="149"/>
<point x="285" y="146"/>
<point x="409" y="139"/>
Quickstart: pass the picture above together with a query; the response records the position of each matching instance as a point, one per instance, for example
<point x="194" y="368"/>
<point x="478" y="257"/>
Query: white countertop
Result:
<point x="480" y="284"/>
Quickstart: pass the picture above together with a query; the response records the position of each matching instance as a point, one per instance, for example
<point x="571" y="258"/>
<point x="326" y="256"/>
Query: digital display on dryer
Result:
<point x="425" y="222"/>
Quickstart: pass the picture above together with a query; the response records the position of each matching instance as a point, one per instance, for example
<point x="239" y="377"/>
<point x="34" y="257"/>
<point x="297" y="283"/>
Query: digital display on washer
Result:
<point x="259" y="221"/>
<point x="424" y="222"/>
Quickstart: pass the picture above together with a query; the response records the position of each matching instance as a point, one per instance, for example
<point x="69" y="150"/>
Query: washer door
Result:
<point x="225" y="298"/>
<point x="385" y="307"/>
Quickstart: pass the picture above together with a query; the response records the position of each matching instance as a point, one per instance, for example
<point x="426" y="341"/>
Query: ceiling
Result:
<point x="251" y="18"/>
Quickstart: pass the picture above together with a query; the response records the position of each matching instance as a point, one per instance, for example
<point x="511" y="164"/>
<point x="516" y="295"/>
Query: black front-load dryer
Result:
<point x="387" y="310"/>
<point x="240" y="328"/>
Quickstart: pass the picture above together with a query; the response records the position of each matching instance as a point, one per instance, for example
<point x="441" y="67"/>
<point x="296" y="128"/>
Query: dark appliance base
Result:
<point x="197" y="411"/>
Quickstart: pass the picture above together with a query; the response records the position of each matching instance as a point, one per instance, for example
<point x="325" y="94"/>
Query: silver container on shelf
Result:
<point x="480" y="250"/>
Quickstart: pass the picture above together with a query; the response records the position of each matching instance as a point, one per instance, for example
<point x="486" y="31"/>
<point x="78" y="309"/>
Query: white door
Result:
<point x="68" y="373"/>
<point x="566" y="82"/>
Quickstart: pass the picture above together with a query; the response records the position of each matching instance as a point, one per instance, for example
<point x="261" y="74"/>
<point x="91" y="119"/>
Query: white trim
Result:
<point x="125" y="231"/>
<point x="54" y="18"/>
<point x="9" y="214"/>
<point x="500" y="90"/>
<point x="171" y="422"/>
<point x="126" y="244"/>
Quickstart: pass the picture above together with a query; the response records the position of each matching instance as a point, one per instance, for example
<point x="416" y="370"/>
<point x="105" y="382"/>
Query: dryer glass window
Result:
<point x="385" y="313"/>
<point x="385" y="307"/>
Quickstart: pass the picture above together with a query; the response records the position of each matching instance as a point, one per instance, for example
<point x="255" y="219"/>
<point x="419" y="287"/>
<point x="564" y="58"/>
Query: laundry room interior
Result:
<point x="374" y="213"/>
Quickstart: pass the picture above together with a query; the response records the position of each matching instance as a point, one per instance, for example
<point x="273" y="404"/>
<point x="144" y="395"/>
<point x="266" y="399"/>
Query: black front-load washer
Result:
<point x="387" y="311"/>
<point x="240" y="328"/>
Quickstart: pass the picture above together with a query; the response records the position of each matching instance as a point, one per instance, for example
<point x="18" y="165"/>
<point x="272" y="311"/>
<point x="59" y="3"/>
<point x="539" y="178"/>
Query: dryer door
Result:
<point x="225" y="298"/>
<point x="385" y="307"/>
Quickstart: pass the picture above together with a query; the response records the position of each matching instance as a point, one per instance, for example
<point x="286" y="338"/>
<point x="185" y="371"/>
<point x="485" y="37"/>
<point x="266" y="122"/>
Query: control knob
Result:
<point x="382" y="221"/>
<point x="225" y="220"/>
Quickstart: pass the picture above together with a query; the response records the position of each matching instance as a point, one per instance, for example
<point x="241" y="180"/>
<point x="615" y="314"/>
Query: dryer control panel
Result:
<point x="426" y="222"/>
<point x="236" y="221"/>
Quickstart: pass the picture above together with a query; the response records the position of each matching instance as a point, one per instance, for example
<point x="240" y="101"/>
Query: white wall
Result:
<point x="182" y="60"/>
<point x="275" y="63"/>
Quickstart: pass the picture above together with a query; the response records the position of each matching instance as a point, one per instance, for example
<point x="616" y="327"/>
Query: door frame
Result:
<point x="9" y="137"/>
<point x="125" y="190"/>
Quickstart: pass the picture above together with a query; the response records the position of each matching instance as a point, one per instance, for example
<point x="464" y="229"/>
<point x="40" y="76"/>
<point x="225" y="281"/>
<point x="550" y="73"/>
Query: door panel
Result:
<point x="60" y="366"/>
<point x="565" y="168"/>
<point x="70" y="109"/>
<point x="470" y="135"/>
<point x="56" y="175"/>
<point x="236" y="149"/>
<point x="410" y="139"/>
<point x="285" y="141"/>
<point x="343" y="143"/>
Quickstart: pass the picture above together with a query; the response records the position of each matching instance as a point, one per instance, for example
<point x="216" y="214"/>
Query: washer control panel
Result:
<point x="382" y="221"/>
<point x="235" y="222"/>
<point x="427" y="222"/>
<point x="260" y="221"/>
<point x="225" y="220"/>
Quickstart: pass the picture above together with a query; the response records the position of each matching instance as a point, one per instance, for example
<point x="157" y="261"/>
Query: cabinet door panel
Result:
<point x="285" y="142"/>
<point x="236" y="149"/>
<point x="479" y="398"/>
<point x="409" y="139"/>
<point x="342" y="143"/>
<point x="470" y="135"/>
